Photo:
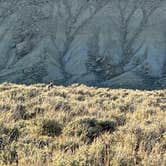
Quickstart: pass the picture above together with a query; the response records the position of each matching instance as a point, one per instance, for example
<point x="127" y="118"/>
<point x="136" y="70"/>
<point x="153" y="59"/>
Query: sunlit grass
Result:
<point x="81" y="126"/>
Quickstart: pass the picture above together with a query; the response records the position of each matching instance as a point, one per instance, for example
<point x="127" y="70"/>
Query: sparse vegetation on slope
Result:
<point x="81" y="126"/>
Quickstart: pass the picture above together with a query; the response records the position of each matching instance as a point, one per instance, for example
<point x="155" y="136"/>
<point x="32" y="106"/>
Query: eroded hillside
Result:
<point x="81" y="126"/>
<point x="106" y="43"/>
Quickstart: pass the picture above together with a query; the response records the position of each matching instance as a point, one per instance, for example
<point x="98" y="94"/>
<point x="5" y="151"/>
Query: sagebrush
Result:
<point x="81" y="126"/>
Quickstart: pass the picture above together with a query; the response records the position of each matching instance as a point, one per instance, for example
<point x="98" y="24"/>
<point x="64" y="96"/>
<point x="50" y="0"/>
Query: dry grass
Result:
<point x="81" y="126"/>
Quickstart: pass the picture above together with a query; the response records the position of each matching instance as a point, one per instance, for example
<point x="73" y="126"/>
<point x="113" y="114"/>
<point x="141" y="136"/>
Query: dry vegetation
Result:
<point x="81" y="126"/>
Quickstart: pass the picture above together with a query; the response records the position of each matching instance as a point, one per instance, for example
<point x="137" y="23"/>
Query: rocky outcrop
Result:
<point x="106" y="43"/>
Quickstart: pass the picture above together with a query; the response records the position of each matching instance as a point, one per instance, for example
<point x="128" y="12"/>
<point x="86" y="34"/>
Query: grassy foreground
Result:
<point x="81" y="126"/>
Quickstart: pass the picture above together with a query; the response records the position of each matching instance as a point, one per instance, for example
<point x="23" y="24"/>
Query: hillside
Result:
<point x="81" y="126"/>
<point x="107" y="43"/>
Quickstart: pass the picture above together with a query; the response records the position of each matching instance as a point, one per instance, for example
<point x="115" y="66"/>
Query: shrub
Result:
<point x="62" y="106"/>
<point x="51" y="128"/>
<point x="18" y="112"/>
<point x="39" y="110"/>
<point x="14" y="135"/>
<point x="2" y="143"/>
<point x="89" y="128"/>
<point x="9" y="155"/>
<point x="3" y="129"/>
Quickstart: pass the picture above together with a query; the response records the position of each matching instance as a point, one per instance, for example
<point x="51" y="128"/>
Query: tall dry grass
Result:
<point x="81" y="126"/>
